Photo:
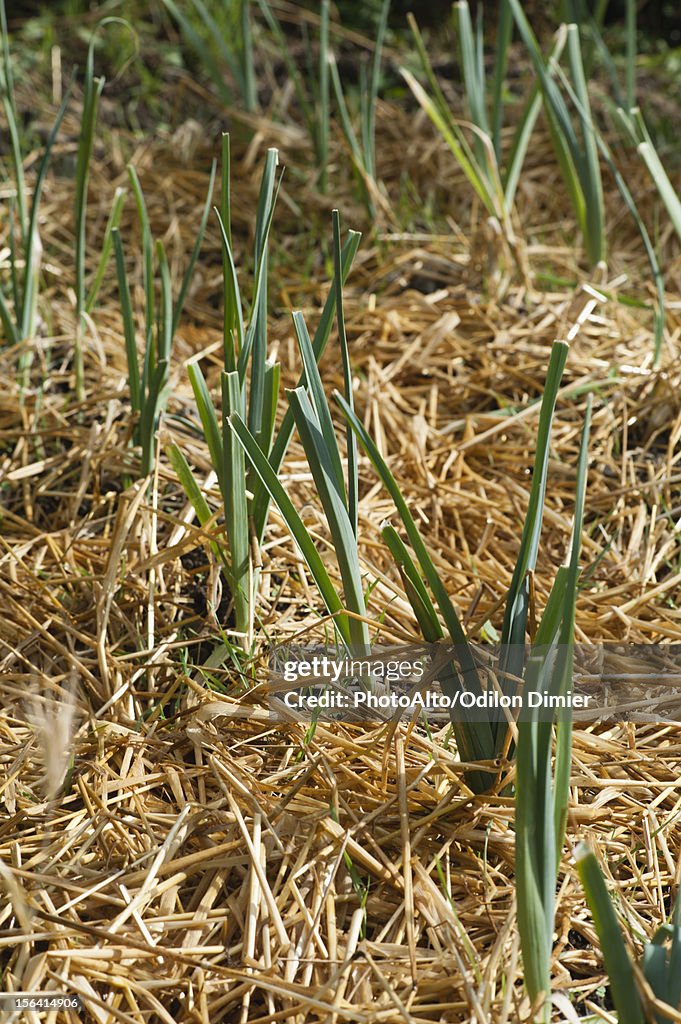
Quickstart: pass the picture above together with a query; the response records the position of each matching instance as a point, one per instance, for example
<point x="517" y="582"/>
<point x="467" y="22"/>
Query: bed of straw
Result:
<point x="168" y="861"/>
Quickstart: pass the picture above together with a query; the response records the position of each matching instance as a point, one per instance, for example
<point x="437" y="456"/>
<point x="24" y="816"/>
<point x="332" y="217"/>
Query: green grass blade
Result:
<point x="675" y="956"/>
<point x="655" y="268"/>
<point x="134" y="382"/>
<point x="93" y="91"/>
<point x="592" y="187"/>
<point x="534" y="825"/>
<point x="209" y="422"/>
<point x="226" y="187"/>
<point x="615" y="956"/>
<point x="248" y="83"/>
<point x="541" y="806"/>
<point x="189" y="484"/>
<point x="375" y="81"/>
<point x="564" y="726"/>
<point x="237" y="62"/>
<point x="14" y="277"/>
<point x="322" y="106"/>
<point x="596" y="45"/>
<point x="91" y="94"/>
<point x="323" y="331"/>
<point x="504" y="33"/>
<point x="630" y="63"/>
<point x="525" y="126"/>
<point x="346" y="122"/>
<point x="236" y="504"/>
<point x="151" y="412"/>
<point x="482" y="174"/>
<point x="353" y="478"/>
<point x="519" y="146"/>
<point x="569" y="169"/>
<point x="189" y="272"/>
<point x="234" y="321"/>
<point x="147" y="257"/>
<point x="655" y="970"/>
<point x="196" y="497"/>
<point x="555" y="101"/>
<point x="294" y="524"/>
<point x="111" y="224"/>
<point x="320" y="405"/>
<point x="439" y="98"/>
<point x="32" y="245"/>
<point x="473" y="71"/>
<point x="272" y="380"/>
<point x="453" y="137"/>
<point x="429" y="571"/>
<point x="257" y="330"/>
<point x="419" y="598"/>
<point x="165" y="325"/>
<point x="571" y="159"/>
<point x="232" y="314"/>
<point x="364" y="116"/>
<point x="17" y="163"/>
<point x="664" y="186"/>
<point x="260" y="287"/>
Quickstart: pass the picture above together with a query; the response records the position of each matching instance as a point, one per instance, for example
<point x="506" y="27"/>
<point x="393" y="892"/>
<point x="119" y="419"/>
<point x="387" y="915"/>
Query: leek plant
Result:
<point x="631" y="120"/>
<point x="312" y="81"/>
<point x="591" y="25"/>
<point x="478" y="148"/>
<point x="148" y="382"/>
<point x="19" y="310"/>
<point x="661" y="965"/>
<point x="638" y="133"/>
<point x="249" y="384"/>
<point x="22" y="324"/>
<point x="85" y="298"/>
<point x="246" y="425"/>
<point x="655" y="268"/>
<point x="311" y="85"/>
<point x="476" y="741"/>
<point x="541" y="797"/>
<point x="310" y="410"/>
<point x="575" y="145"/>
<point x="204" y="35"/>
<point x="363" y="147"/>
<point x="635" y="127"/>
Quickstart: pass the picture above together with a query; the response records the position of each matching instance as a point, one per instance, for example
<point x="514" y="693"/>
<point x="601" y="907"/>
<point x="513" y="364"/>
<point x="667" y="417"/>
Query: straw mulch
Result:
<point x="170" y="862"/>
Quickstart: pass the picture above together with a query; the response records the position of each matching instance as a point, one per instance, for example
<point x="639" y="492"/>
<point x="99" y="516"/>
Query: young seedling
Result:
<point x="541" y="796"/>
<point x="246" y="425"/>
<point x="312" y="417"/>
<point x="310" y="82"/>
<point x="363" y="148"/>
<point x="148" y="383"/>
<point x="85" y="298"/>
<point x="206" y="38"/>
<point x="476" y="740"/>
<point x="661" y="965"/>
<point x="477" y="148"/>
<point x="575" y="145"/>
<point x="19" y="319"/>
